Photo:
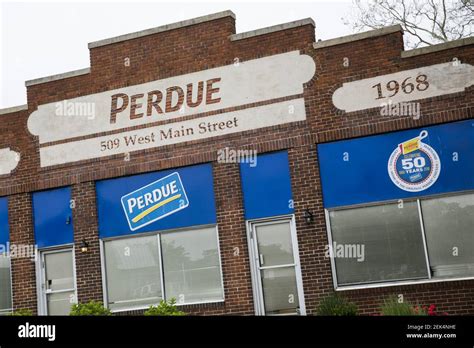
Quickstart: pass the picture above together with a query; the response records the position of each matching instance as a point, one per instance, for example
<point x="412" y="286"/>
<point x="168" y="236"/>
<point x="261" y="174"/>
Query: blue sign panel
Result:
<point x="413" y="163"/>
<point x="4" y="228"/>
<point x="156" y="201"/>
<point x="52" y="216"/>
<point x="267" y="186"/>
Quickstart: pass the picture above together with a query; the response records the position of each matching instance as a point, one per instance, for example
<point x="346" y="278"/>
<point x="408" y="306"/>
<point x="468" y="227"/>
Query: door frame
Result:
<point x="257" y="289"/>
<point x="40" y="275"/>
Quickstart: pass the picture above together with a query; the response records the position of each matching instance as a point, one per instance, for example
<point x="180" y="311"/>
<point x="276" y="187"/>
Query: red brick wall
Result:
<point x="22" y="269"/>
<point x="233" y="239"/>
<point x="369" y="58"/>
<point x="200" y="47"/>
<point x="88" y="265"/>
<point x="312" y="237"/>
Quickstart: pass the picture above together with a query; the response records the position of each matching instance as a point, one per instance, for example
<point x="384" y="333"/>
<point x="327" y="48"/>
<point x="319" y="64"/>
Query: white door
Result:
<point x="275" y="265"/>
<point x="58" y="283"/>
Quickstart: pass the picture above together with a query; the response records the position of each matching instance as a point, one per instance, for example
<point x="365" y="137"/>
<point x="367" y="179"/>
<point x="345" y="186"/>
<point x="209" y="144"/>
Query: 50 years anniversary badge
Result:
<point x="414" y="166"/>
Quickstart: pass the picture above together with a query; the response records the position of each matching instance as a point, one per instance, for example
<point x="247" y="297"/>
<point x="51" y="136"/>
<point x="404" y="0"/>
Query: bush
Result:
<point x="165" y="309"/>
<point x="429" y="310"/>
<point x="21" y="312"/>
<point x="336" y="305"/>
<point x="391" y="306"/>
<point x="89" y="308"/>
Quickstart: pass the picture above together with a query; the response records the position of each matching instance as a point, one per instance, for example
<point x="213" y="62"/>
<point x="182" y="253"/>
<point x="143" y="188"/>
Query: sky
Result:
<point x="39" y="39"/>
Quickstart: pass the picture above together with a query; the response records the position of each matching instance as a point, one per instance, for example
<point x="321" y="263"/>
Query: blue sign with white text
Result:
<point x="4" y="229"/>
<point x="154" y="201"/>
<point x="405" y="164"/>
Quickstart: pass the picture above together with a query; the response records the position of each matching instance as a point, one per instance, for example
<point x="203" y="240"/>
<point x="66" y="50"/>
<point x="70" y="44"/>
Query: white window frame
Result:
<point x="259" y="305"/>
<point x="220" y="264"/>
<point x="104" y="270"/>
<point x="7" y="311"/>
<point x="384" y="284"/>
<point x="42" y="304"/>
<point x="163" y="291"/>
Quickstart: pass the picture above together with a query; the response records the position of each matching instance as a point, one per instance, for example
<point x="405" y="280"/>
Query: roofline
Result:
<point x="359" y="36"/>
<point x="272" y="29"/>
<point x="56" y="77"/>
<point x="393" y="29"/>
<point x="162" y="28"/>
<point x="250" y="34"/>
<point x="13" y="109"/>
<point x="439" y="47"/>
<point x="234" y="37"/>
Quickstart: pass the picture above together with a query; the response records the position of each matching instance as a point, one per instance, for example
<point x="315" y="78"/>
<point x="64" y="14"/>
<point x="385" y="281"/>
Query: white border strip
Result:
<point x="162" y="28"/>
<point x="56" y="77"/>
<point x="13" y="109"/>
<point x="273" y="29"/>
<point x="439" y="47"/>
<point x="359" y="36"/>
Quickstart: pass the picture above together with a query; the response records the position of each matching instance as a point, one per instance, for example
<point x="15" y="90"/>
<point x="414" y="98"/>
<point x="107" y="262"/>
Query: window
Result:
<point x="5" y="285"/>
<point x="133" y="272"/>
<point x="185" y="265"/>
<point x="390" y="241"/>
<point x="398" y="241"/>
<point x="191" y="266"/>
<point x="449" y="232"/>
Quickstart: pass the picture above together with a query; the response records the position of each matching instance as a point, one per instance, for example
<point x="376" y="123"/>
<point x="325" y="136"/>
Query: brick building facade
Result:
<point x="200" y="45"/>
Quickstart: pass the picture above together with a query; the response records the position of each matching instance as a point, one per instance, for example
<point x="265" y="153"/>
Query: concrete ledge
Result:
<point x="272" y="29"/>
<point x="357" y="37"/>
<point x="162" y="28"/>
<point x="439" y="47"/>
<point x="13" y="109"/>
<point x="57" y="77"/>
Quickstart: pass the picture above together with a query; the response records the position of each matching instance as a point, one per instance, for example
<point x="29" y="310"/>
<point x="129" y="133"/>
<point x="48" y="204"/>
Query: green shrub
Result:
<point x="392" y="306"/>
<point x="165" y="309"/>
<point x="21" y="312"/>
<point x="89" y="308"/>
<point x="336" y="305"/>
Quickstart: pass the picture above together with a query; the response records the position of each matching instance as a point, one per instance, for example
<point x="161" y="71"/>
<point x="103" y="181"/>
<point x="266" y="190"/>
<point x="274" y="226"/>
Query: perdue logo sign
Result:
<point x="155" y="201"/>
<point x="130" y="119"/>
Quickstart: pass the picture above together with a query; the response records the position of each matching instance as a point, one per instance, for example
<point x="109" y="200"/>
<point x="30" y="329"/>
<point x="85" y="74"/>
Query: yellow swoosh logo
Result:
<point x="153" y="208"/>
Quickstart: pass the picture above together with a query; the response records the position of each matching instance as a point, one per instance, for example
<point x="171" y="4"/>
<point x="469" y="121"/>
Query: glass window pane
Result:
<point x="274" y="244"/>
<point x="59" y="271"/>
<point x="449" y="233"/>
<point x="5" y="284"/>
<point x="191" y="266"/>
<point x="133" y="272"/>
<point x="60" y="303"/>
<point x="279" y="290"/>
<point x="377" y="244"/>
